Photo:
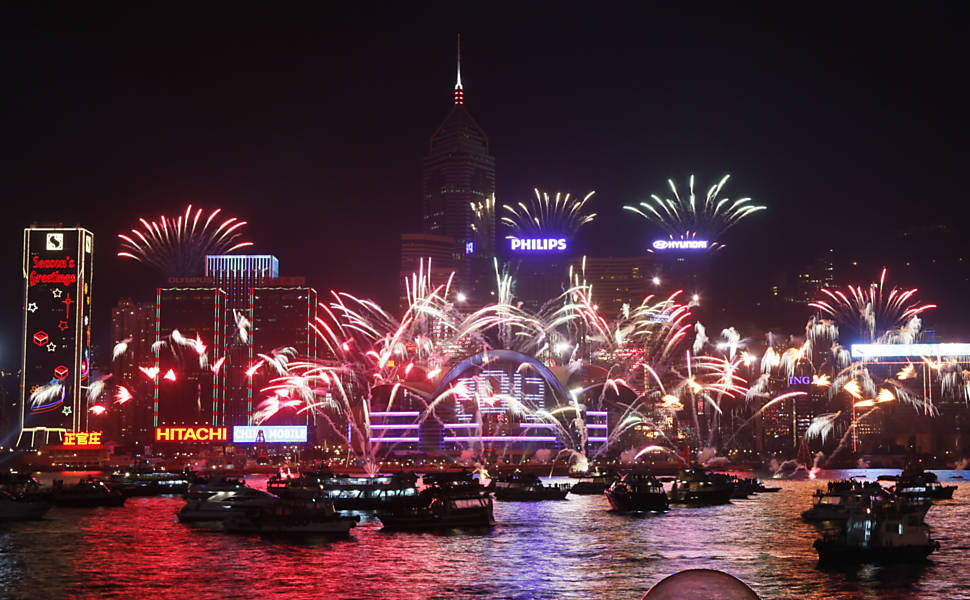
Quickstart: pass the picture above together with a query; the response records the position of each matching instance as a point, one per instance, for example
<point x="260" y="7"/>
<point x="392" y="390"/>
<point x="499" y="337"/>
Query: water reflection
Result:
<point x="563" y="550"/>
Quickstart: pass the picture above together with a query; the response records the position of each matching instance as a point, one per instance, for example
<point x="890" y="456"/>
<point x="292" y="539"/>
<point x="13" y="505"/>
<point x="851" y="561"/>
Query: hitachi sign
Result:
<point x="191" y="434"/>
<point x="537" y="244"/>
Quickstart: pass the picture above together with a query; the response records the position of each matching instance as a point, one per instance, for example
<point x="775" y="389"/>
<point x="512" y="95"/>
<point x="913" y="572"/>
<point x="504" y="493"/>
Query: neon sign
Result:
<point x="537" y="244"/>
<point x="905" y="350"/>
<point x="82" y="438"/>
<point x="800" y="380"/>
<point x="680" y="244"/>
<point x="191" y="434"/>
<point x="469" y="247"/>
<point x="247" y="434"/>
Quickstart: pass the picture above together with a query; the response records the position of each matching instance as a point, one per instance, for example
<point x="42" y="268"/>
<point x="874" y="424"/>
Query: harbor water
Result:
<point x="573" y="549"/>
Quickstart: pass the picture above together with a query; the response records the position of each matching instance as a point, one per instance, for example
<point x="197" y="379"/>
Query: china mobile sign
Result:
<point x="680" y="244"/>
<point x="191" y="434"/>
<point x="537" y="244"/>
<point x="248" y="434"/>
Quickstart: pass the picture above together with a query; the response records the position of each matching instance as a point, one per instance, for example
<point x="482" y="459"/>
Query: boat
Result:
<point x="593" y="483"/>
<point x="637" y="492"/>
<point x="22" y="508"/>
<point x="201" y="487"/>
<point x="450" y="500"/>
<point x="525" y="487"/>
<point x="839" y="498"/>
<point x="918" y="484"/>
<point x="85" y="493"/>
<point x="347" y="492"/>
<point x="220" y="505"/>
<point x="698" y="486"/>
<point x="290" y="517"/>
<point x="146" y="480"/>
<point x="880" y="533"/>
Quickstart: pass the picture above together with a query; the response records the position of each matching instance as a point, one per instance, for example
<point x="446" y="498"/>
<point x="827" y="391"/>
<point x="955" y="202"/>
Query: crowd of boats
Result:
<point x="865" y="522"/>
<point x="862" y="521"/>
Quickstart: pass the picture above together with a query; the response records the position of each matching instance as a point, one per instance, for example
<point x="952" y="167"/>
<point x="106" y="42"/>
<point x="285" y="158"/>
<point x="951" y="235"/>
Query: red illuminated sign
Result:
<point x="61" y="371"/>
<point x="41" y="338"/>
<point x="82" y="438"/>
<point x="55" y="276"/>
<point x="191" y="434"/>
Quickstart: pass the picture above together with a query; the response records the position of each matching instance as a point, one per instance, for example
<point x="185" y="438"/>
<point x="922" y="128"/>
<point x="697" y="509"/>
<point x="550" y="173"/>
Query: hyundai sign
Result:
<point x="274" y="434"/>
<point x="537" y="244"/>
<point x="680" y="244"/>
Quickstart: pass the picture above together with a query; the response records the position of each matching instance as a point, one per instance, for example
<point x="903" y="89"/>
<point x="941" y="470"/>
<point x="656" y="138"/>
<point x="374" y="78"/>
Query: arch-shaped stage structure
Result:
<point x="483" y="358"/>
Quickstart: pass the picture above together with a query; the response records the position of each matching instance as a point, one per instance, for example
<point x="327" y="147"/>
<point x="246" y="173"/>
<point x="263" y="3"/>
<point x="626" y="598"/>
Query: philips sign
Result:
<point x="537" y="244"/>
<point x="680" y="244"/>
<point x="247" y="434"/>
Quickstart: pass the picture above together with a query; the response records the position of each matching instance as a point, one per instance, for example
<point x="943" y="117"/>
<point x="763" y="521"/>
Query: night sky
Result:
<point x="849" y="121"/>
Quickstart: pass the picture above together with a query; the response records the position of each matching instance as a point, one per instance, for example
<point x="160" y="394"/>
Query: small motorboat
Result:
<point x="289" y="517"/>
<point x="524" y="487"/>
<point x="638" y="492"/>
<point x="145" y="480"/>
<point x="85" y="493"/>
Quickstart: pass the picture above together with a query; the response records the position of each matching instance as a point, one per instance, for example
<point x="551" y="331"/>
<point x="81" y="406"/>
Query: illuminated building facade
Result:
<point x="134" y="324"/>
<point x="237" y="275"/>
<point x="189" y="391"/>
<point x="58" y="272"/>
<point x="281" y="318"/>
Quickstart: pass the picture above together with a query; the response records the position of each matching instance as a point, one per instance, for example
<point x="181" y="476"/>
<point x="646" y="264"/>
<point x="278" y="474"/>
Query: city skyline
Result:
<point x="654" y="107"/>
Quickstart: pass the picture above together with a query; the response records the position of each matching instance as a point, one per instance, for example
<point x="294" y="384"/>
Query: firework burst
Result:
<point x="544" y="214"/>
<point x="178" y="245"/>
<point x="689" y="217"/>
<point x="875" y="313"/>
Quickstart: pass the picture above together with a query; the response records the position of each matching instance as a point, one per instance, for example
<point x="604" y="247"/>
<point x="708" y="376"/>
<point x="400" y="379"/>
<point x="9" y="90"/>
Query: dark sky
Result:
<point x="848" y="120"/>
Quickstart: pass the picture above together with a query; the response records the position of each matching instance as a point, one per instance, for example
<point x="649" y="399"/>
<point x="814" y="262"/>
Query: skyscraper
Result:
<point x="237" y="275"/>
<point x="134" y="324"/>
<point x="58" y="271"/>
<point x="459" y="189"/>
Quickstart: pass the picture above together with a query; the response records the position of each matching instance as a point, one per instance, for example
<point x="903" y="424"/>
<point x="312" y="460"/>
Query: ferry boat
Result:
<point x="637" y="492"/>
<point x="698" y="486"/>
<point x="22" y="508"/>
<point x="289" y="517"/>
<point x="85" y="493"/>
<point x="220" y="505"/>
<point x="526" y="487"/>
<point x="593" y="483"/>
<point x="880" y="533"/>
<point x="449" y="501"/>
<point x="347" y="492"/>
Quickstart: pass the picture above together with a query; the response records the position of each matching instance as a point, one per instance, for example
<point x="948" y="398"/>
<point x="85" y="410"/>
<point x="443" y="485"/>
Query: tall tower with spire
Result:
<point x="459" y="180"/>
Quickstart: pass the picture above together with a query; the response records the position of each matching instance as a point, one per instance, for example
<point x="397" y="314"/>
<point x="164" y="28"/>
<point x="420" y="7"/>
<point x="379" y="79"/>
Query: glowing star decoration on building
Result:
<point x="179" y="245"/>
<point x="32" y="307"/>
<point x="561" y="215"/>
<point x="693" y="219"/>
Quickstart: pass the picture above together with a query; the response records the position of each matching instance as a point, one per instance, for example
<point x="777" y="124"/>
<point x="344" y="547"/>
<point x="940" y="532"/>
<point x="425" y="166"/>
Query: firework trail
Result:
<point x="876" y="314"/>
<point x="483" y="225"/>
<point x="120" y="348"/>
<point x="686" y="218"/>
<point x="178" y="245"/>
<point x="543" y="215"/>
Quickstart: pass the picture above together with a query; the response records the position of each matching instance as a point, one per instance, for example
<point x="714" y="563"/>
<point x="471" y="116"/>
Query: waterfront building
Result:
<point x="55" y="353"/>
<point x="133" y="323"/>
